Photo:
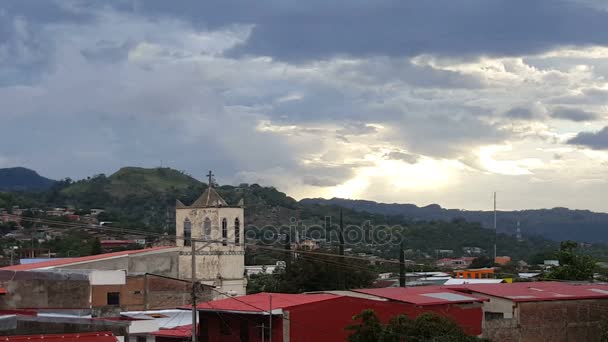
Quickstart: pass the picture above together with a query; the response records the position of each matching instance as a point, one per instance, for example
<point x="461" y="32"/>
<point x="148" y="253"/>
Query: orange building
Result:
<point x="482" y="273"/>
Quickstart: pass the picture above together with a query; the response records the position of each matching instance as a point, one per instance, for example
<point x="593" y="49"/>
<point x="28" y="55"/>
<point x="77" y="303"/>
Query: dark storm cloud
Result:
<point x="303" y="30"/>
<point x="594" y="140"/>
<point x="519" y="113"/>
<point x="574" y="114"/>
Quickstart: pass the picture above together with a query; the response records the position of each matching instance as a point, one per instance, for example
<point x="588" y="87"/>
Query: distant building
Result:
<point x="472" y="250"/>
<point x="455" y="263"/>
<point x="482" y="273"/>
<point x="267" y="269"/>
<point x="502" y="260"/>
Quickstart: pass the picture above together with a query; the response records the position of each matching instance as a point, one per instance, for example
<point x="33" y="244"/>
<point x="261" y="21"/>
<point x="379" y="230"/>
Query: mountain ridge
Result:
<point x="557" y="223"/>
<point x="23" y="179"/>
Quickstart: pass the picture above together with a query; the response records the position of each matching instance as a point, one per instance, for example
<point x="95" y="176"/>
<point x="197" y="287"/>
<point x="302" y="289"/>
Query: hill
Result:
<point x="144" y="199"/>
<point x="556" y="224"/>
<point x="133" y="181"/>
<point x="23" y="179"/>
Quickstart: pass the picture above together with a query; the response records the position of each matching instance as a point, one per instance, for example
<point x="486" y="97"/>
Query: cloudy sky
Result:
<point x="420" y="102"/>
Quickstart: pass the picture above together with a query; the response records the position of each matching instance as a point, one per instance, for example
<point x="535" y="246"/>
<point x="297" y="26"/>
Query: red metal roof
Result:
<point x="84" y="337"/>
<point x="68" y="261"/>
<point x="422" y="295"/>
<point x="260" y="302"/>
<point x="3" y="291"/>
<point x="181" y="331"/>
<point x="537" y="291"/>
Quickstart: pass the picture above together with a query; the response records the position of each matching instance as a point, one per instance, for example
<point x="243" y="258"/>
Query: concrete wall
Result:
<point x="163" y="262"/>
<point x="44" y="290"/>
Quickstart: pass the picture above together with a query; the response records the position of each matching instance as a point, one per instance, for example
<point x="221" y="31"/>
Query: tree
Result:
<point x="482" y="262"/>
<point x="572" y="266"/>
<point x="428" y="326"/>
<point x="368" y="330"/>
<point x="96" y="247"/>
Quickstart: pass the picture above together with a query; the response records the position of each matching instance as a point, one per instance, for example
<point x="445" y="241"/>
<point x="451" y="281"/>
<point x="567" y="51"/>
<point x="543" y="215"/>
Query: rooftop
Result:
<point x="82" y="337"/>
<point x="209" y="198"/>
<point x="71" y="261"/>
<point x="538" y="291"/>
<point x="180" y="331"/>
<point x="260" y="302"/>
<point x="422" y="295"/>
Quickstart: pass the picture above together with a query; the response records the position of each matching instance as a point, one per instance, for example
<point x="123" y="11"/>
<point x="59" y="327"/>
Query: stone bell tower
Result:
<point x="218" y="229"/>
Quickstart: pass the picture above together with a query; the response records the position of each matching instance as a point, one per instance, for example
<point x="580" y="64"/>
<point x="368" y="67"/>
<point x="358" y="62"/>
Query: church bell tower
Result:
<point x="218" y="229"/>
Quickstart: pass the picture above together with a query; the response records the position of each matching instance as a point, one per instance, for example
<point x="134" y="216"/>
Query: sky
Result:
<point x="401" y="101"/>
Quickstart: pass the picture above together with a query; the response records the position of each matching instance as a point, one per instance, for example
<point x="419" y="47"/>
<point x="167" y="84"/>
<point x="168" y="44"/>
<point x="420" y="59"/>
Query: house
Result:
<point x="155" y="325"/>
<point x="541" y="311"/>
<point x="481" y="273"/>
<point x="323" y="316"/>
<point x="455" y="263"/>
<point x="502" y="260"/>
<point x="266" y="269"/>
<point x="149" y="281"/>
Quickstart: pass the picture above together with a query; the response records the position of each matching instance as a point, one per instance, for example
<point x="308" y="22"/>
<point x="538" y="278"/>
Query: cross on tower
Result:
<point x="210" y="176"/>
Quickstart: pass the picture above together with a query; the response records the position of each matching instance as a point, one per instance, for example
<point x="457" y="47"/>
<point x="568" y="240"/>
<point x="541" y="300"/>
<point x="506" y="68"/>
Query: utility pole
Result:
<point x="495" y="228"/>
<point x="341" y="252"/>
<point x="194" y="329"/>
<point x="401" y="266"/>
<point x="270" y="317"/>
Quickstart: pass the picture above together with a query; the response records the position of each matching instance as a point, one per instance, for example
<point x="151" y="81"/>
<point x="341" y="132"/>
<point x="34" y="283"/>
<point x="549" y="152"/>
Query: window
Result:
<point x="187" y="232"/>
<point x="113" y="298"/>
<point x="207" y="228"/>
<point x="493" y="315"/>
<point x="237" y="231"/>
<point x="224" y="232"/>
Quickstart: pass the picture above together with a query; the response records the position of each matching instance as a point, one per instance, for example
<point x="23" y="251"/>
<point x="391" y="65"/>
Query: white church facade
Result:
<point x="218" y="231"/>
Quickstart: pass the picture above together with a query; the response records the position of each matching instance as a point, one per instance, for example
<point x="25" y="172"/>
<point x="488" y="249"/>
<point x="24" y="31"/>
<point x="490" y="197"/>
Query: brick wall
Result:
<point x="147" y="293"/>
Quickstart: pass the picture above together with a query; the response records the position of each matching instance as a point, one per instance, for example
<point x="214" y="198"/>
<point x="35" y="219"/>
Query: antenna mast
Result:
<point x="495" y="228"/>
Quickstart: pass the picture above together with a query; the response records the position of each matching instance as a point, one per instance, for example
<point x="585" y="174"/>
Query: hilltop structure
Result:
<point x="218" y="234"/>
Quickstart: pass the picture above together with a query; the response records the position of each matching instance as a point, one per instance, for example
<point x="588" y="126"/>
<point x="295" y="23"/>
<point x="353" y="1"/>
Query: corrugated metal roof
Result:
<point x="422" y="295"/>
<point x="260" y="302"/>
<point x="83" y="337"/>
<point x="538" y="291"/>
<point x="69" y="261"/>
<point x="460" y="281"/>
<point x="181" y="331"/>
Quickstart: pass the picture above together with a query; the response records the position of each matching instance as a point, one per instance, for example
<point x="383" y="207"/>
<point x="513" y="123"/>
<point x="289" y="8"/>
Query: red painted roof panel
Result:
<point x="422" y="295"/>
<point x="181" y="331"/>
<point x="260" y="302"/>
<point x="537" y="291"/>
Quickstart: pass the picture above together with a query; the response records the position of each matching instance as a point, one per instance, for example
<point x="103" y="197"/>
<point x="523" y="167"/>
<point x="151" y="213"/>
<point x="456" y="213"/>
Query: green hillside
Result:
<point x="134" y="181"/>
